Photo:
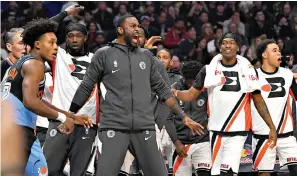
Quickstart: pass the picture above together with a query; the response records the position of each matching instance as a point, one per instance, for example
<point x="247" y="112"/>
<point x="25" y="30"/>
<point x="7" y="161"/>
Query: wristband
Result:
<point x="61" y="117"/>
<point x="182" y="113"/>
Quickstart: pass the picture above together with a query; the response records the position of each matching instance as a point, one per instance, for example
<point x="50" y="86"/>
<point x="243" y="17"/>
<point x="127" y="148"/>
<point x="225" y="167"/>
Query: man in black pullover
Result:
<point x="197" y="147"/>
<point x="127" y="121"/>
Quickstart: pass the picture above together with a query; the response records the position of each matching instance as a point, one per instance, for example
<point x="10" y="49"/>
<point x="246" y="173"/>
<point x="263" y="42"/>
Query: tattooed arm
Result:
<point x="195" y="127"/>
<point x="264" y="113"/>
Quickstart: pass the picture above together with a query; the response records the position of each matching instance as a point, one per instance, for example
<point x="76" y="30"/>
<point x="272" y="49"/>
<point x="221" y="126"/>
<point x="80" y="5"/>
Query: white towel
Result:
<point x="247" y="76"/>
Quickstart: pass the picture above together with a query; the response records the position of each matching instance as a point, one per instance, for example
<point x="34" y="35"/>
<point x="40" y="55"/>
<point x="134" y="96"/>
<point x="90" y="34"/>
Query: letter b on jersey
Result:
<point x="232" y="82"/>
<point x="276" y="87"/>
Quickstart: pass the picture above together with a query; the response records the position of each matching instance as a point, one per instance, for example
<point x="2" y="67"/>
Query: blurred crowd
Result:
<point x="191" y="30"/>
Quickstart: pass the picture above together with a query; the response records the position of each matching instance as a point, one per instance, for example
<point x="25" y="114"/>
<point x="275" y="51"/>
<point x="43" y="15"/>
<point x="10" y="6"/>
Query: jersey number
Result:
<point x="5" y="89"/>
<point x="232" y="82"/>
<point x="80" y="69"/>
<point x="277" y="87"/>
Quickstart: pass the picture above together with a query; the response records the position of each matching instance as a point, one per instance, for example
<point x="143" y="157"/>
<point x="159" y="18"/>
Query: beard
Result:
<point x="128" y="40"/>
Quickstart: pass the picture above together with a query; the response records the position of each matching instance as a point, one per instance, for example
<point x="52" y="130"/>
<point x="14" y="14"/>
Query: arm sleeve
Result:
<point x="58" y="18"/>
<point x="170" y="128"/>
<point x="158" y="84"/>
<point x="294" y="88"/>
<point x="199" y="82"/>
<point x="92" y="76"/>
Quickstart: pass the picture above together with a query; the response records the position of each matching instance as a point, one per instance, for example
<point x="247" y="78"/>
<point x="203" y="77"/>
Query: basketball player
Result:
<point x="198" y="150"/>
<point x="279" y="89"/>
<point x="129" y="76"/>
<point x="229" y="101"/>
<point x="25" y="83"/>
<point x="68" y="71"/>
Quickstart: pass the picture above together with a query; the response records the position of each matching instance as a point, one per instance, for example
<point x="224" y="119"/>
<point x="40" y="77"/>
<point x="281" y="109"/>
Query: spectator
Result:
<point x="103" y="17"/>
<point x="200" y="53"/>
<point x="283" y="28"/>
<point x="255" y="42"/>
<point x="122" y="11"/>
<point x="230" y="9"/>
<point x="246" y="52"/>
<point x="145" y="22"/>
<point x="203" y="18"/>
<point x="280" y="43"/>
<point x="213" y="46"/>
<point x="160" y="24"/>
<point x="36" y="11"/>
<point x="171" y="16"/>
<point x="293" y="24"/>
<point x="233" y="28"/>
<point x="261" y="26"/>
<point x="195" y="11"/>
<point x="88" y="17"/>
<point x="175" y="64"/>
<point x="256" y="63"/>
<point x="92" y="28"/>
<point x="176" y="34"/>
<point x="236" y="20"/>
<point x="99" y="41"/>
<point x="207" y="32"/>
<point x="187" y="47"/>
<point x="219" y="17"/>
<point x="185" y="8"/>
<point x="13" y="14"/>
<point x="150" y="12"/>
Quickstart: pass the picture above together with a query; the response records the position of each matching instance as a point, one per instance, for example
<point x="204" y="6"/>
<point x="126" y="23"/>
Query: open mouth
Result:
<point x="135" y="38"/>
<point x="54" y="55"/>
<point x="279" y="60"/>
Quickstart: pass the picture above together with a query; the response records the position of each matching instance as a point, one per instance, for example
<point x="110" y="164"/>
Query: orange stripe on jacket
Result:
<point x="261" y="155"/>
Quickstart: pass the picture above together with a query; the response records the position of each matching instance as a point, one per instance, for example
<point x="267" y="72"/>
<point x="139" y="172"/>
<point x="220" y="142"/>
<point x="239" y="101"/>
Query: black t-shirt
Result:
<point x="4" y="67"/>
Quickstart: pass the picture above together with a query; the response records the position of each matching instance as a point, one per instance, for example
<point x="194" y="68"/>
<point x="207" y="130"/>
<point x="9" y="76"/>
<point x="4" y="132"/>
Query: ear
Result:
<point x="264" y="55"/>
<point x="37" y="45"/>
<point x="9" y="47"/>
<point x="171" y="63"/>
<point x="120" y="30"/>
<point x="85" y="39"/>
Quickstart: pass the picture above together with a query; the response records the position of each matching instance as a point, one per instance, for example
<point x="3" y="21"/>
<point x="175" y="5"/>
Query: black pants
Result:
<point x="77" y="147"/>
<point x="114" y="149"/>
<point x="41" y="134"/>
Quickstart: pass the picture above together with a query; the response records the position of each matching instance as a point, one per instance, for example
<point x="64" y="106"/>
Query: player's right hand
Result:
<point x="272" y="138"/>
<point x="82" y="119"/>
<point x="67" y="127"/>
<point x="180" y="149"/>
<point x="195" y="127"/>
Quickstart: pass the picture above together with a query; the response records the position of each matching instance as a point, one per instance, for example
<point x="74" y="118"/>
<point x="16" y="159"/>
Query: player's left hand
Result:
<point x="195" y="127"/>
<point x="82" y="119"/>
<point x="180" y="149"/>
<point x="272" y="138"/>
<point x="74" y="9"/>
<point x="150" y="43"/>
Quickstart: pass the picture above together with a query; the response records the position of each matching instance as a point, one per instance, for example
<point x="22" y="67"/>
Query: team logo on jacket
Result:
<point x="200" y="102"/>
<point x="115" y="64"/>
<point x="110" y="133"/>
<point x="142" y="65"/>
<point x="53" y="132"/>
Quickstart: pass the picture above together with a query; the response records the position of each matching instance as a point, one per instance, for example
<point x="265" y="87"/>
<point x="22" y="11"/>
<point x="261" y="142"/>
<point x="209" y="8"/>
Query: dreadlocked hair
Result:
<point x="34" y="29"/>
<point x="191" y="69"/>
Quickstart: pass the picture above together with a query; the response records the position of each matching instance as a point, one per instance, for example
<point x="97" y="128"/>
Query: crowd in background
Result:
<point x="191" y="30"/>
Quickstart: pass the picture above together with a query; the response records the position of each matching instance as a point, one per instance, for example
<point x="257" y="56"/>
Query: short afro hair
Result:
<point x="34" y="29"/>
<point x="166" y="50"/>
<point x="122" y="19"/>
<point x="262" y="47"/>
<point x="191" y="69"/>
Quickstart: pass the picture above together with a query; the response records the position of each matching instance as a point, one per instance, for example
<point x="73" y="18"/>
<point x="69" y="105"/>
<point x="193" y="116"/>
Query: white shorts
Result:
<point x="226" y="153"/>
<point x="199" y="157"/>
<point x="264" y="157"/>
